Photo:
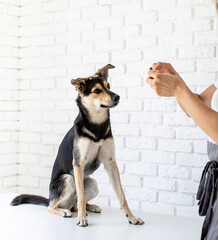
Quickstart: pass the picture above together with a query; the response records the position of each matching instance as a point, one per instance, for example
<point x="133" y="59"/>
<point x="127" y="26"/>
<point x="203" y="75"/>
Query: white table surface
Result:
<point x="30" y="222"/>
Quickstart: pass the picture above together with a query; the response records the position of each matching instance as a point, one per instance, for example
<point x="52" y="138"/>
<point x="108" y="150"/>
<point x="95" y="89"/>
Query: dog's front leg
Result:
<point x="81" y="203"/>
<point x="114" y="175"/>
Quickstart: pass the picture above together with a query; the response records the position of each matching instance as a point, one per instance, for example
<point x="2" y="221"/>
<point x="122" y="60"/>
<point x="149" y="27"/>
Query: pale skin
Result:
<point x="166" y="82"/>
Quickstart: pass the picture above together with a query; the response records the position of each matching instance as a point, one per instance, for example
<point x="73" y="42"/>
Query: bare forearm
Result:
<point x="205" y="118"/>
<point x="183" y="109"/>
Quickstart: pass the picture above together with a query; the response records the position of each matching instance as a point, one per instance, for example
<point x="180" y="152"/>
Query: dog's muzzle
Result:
<point x="114" y="101"/>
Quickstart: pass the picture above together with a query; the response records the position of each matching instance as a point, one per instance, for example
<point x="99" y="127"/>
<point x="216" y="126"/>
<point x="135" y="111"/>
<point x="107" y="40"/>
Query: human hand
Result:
<point x="163" y="67"/>
<point x="165" y="83"/>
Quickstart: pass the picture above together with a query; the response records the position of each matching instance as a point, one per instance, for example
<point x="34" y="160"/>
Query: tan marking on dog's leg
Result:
<point x="60" y="211"/>
<point x="81" y="202"/>
<point x="114" y="175"/>
<point x="53" y="208"/>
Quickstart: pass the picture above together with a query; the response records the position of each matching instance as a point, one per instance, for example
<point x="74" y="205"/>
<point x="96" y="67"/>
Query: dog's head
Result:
<point x="95" y="90"/>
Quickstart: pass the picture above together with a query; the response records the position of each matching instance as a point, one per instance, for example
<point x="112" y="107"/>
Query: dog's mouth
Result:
<point x="109" y="106"/>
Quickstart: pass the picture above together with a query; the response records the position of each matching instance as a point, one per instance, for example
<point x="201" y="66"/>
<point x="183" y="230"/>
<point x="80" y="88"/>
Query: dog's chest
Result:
<point x="93" y="153"/>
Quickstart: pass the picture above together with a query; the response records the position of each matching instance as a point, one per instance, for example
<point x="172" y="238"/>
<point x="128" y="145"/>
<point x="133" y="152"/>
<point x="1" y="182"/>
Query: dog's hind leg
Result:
<point x="91" y="191"/>
<point x="62" y="191"/>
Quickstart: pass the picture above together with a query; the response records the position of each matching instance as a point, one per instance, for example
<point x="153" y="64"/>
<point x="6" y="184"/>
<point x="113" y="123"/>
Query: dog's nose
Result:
<point x="116" y="98"/>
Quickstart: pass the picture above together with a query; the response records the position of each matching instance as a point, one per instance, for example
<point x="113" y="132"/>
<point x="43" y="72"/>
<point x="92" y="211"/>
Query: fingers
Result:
<point x="163" y="67"/>
<point x="151" y="74"/>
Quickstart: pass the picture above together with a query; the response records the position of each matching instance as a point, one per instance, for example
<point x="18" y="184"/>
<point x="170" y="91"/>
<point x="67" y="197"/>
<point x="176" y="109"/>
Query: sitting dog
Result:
<point x="86" y="145"/>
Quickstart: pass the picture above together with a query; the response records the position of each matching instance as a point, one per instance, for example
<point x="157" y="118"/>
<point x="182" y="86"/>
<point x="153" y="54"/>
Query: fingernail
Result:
<point x="150" y="68"/>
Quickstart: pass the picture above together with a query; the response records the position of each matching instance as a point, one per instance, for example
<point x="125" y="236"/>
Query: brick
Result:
<point x="40" y="127"/>
<point x="160" y="105"/>
<point x="176" y="198"/>
<point x="157" y="131"/>
<point x="145" y="42"/>
<point x="53" y="50"/>
<point x="40" y="171"/>
<point x="207" y="66"/>
<point x="107" y="45"/>
<point x="127" y="55"/>
<point x="95" y="12"/>
<point x="67" y="15"/>
<point x="83" y="4"/>
<point x="157" y="208"/>
<point x="140" y="143"/>
<point x="158" y="4"/>
<point x="174" y="40"/>
<point x="54" y="72"/>
<point x="195" y="25"/>
<point x="79" y="25"/>
<point x="119" y="80"/>
<point x="55" y="5"/>
<point x="41" y="18"/>
<point x="124" y="32"/>
<point x="144" y="169"/>
<point x="127" y="8"/>
<point x="55" y="117"/>
<point x="157" y="28"/>
<point x="9" y="170"/>
<point x="41" y="149"/>
<point x="119" y="117"/>
<point x="141" y="194"/>
<point x="189" y="133"/>
<point x="42" y="41"/>
<point x="30" y="9"/>
<point x="127" y="154"/>
<point x="160" y="183"/>
<point x="203" y="38"/>
<point x="140" y="18"/>
<point x="145" y="117"/>
<point x="130" y="180"/>
<point x="10" y="181"/>
<point x="175" y="15"/>
<point x="41" y="62"/>
<point x="28" y="181"/>
<point x="197" y="52"/>
<point x="125" y="130"/>
<point x="192" y="160"/>
<point x="196" y="174"/>
<point x="174" y="145"/>
<point x="205" y="11"/>
<point x="175" y="172"/>
<point x="96" y="58"/>
<point x="29" y="137"/>
<point x="187" y="186"/>
<point x="109" y="22"/>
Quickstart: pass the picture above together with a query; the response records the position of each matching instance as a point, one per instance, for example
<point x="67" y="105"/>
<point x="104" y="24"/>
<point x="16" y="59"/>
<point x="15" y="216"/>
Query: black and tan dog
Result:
<point x="86" y="145"/>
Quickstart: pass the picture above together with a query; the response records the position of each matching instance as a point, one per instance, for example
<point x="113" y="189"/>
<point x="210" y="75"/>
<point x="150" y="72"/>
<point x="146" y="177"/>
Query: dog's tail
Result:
<point x="27" y="198"/>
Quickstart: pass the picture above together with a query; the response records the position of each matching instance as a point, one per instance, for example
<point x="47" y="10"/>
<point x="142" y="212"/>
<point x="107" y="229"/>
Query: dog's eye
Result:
<point x="108" y="86"/>
<point x="97" y="91"/>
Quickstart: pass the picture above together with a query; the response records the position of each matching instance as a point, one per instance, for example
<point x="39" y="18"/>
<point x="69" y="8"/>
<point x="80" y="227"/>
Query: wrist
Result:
<point x="181" y="90"/>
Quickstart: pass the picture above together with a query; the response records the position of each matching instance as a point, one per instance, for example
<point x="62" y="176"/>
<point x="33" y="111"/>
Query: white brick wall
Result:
<point x="160" y="152"/>
<point x="9" y="64"/>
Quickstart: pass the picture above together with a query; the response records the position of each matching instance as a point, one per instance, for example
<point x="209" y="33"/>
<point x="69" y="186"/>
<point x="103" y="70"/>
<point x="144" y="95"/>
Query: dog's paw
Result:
<point x="66" y="213"/>
<point x="82" y="222"/>
<point x="93" y="208"/>
<point x="135" y="221"/>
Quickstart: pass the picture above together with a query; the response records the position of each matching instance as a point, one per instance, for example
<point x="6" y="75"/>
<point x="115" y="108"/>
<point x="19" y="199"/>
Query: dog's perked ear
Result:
<point x="80" y="84"/>
<point x="104" y="71"/>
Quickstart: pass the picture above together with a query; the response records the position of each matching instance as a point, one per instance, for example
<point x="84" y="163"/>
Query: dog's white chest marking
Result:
<point x="89" y="150"/>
